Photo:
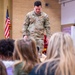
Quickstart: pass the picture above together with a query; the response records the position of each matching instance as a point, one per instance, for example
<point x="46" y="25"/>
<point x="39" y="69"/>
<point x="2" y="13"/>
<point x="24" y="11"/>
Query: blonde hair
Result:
<point x="61" y="50"/>
<point x="27" y="53"/>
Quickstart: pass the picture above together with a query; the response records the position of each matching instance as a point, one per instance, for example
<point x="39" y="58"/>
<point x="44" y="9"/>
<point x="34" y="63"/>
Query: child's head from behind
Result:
<point x="26" y="49"/>
<point x="6" y="48"/>
<point x="61" y="51"/>
<point x="60" y="44"/>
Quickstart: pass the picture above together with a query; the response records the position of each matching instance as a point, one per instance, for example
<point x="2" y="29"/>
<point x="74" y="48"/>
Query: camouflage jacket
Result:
<point x="35" y="25"/>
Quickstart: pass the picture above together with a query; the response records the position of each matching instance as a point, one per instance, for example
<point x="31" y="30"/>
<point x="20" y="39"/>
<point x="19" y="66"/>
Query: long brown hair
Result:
<point x="27" y="53"/>
<point x="3" y="70"/>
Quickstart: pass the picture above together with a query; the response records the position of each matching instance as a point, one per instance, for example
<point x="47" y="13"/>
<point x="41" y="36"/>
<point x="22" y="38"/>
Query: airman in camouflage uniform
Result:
<point x="35" y="25"/>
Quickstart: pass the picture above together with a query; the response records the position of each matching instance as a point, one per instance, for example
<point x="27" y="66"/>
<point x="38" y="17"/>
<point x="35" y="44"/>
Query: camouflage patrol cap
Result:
<point x="37" y="3"/>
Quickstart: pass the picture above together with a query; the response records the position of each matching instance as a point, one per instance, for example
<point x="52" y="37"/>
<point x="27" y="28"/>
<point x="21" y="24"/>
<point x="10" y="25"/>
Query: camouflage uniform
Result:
<point x="35" y="25"/>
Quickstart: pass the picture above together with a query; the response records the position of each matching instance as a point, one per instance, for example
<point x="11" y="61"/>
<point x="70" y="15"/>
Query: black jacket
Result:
<point x="41" y="70"/>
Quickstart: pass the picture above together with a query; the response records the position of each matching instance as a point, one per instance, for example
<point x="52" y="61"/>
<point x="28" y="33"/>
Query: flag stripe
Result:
<point x="7" y="26"/>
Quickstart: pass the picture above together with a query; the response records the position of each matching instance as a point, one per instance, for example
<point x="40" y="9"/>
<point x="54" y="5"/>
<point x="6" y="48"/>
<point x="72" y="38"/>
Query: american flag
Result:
<point x="7" y="26"/>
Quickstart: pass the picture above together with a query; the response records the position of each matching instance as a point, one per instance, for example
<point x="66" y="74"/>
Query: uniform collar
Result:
<point x="37" y="14"/>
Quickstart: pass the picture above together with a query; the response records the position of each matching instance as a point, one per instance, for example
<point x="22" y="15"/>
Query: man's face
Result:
<point x="37" y="9"/>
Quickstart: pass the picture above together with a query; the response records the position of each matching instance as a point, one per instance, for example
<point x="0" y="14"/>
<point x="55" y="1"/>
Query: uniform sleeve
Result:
<point x="47" y="26"/>
<point x="25" y="25"/>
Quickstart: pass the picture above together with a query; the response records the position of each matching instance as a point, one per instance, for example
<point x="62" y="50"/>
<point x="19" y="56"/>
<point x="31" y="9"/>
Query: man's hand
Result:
<point x="47" y="40"/>
<point x="25" y="37"/>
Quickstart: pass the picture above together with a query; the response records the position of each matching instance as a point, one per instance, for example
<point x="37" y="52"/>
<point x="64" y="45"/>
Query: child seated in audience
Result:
<point x="3" y="70"/>
<point x="60" y="57"/>
<point x="28" y="57"/>
<point x="6" y="50"/>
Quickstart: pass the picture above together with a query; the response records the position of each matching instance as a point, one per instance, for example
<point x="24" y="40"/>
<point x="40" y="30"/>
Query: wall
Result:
<point x="22" y="7"/>
<point x="68" y="13"/>
<point x="1" y="18"/>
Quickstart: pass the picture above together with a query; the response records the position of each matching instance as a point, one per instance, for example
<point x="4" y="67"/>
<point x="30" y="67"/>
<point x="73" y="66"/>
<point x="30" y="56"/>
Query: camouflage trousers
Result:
<point x="40" y="45"/>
